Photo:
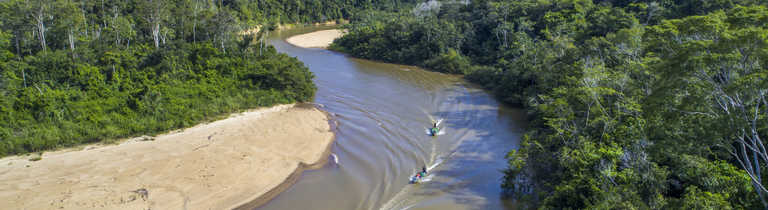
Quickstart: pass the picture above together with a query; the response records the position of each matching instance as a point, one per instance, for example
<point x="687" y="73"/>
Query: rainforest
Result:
<point x="629" y="104"/>
<point x="77" y="72"/>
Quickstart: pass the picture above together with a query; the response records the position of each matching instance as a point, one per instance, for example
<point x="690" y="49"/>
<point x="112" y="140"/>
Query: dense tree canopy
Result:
<point x="76" y="71"/>
<point x="633" y="104"/>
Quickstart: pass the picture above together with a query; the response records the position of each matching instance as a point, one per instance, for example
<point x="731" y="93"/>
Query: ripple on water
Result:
<point x="383" y="110"/>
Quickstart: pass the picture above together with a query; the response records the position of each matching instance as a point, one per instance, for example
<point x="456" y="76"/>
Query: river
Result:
<point x="383" y="111"/>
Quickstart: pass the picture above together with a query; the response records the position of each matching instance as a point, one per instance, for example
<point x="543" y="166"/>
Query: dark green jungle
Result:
<point x="77" y="71"/>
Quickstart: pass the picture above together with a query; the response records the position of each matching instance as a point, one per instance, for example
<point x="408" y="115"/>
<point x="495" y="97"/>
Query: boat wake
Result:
<point x="335" y="158"/>
<point x="439" y="133"/>
<point x="434" y="165"/>
<point x="437" y="123"/>
<point x="397" y="201"/>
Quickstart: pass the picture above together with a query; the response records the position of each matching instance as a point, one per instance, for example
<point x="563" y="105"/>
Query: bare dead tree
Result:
<point x="116" y="14"/>
<point x="742" y="113"/>
<point x="740" y="104"/>
<point x="71" y="38"/>
<point x="40" y="16"/>
<point x="154" y="15"/>
<point x="194" y="25"/>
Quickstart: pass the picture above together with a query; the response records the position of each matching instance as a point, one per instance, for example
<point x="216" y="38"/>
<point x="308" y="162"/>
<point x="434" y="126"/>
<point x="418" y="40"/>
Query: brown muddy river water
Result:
<point x="384" y="111"/>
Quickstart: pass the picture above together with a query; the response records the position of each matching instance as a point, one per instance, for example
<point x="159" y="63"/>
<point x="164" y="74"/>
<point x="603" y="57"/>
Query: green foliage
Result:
<point x="79" y="103"/>
<point x="720" y="179"/>
<point x="392" y="37"/>
<point x="74" y="72"/>
<point x="450" y="62"/>
<point x="633" y="104"/>
<point x="697" y="199"/>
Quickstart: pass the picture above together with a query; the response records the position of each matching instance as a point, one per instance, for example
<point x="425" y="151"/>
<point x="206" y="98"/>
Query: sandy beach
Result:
<point x="317" y="39"/>
<point x="240" y="161"/>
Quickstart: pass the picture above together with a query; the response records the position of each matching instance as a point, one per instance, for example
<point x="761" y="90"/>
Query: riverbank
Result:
<point x="289" y="26"/>
<point x="243" y="160"/>
<point x="317" y="39"/>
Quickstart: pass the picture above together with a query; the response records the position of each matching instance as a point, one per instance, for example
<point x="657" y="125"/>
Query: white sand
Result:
<point x="317" y="39"/>
<point x="245" y="159"/>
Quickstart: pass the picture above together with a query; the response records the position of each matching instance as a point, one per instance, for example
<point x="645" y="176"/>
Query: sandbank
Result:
<point x="317" y="39"/>
<point x="241" y="161"/>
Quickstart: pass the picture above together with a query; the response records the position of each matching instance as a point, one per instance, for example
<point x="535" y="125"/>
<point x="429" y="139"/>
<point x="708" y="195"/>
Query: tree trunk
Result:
<point x="71" y="43"/>
<point x="39" y="17"/>
<point x="164" y="36"/>
<point x="71" y="38"/>
<point x="224" y="49"/>
<point x="114" y="26"/>
<point x="194" y="25"/>
<point x="156" y="34"/>
<point x="24" y="75"/>
<point x="18" y="47"/>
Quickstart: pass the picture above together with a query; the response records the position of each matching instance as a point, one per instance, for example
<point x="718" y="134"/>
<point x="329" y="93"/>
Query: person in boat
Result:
<point x="419" y="175"/>
<point x="423" y="172"/>
<point x="416" y="178"/>
<point x="434" y="129"/>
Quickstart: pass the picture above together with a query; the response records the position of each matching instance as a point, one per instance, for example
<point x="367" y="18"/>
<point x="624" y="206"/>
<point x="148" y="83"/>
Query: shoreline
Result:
<point x="318" y="39"/>
<point x="289" y="181"/>
<point x="260" y="200"/>
<point x="287" y="26"/>
<point x="242" y="161"/>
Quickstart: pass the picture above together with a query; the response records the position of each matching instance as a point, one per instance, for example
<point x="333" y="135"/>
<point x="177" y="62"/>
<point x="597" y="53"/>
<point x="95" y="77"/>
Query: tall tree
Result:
<point x="155" y="13"/>
<point x="41" y="14"/>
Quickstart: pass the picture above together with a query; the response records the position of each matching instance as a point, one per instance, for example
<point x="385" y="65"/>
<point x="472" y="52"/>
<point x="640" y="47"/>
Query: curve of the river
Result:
<point x="383" y="112"/>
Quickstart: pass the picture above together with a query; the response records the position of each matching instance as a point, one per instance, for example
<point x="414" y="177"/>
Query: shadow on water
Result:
<point x="404" y="72"/>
